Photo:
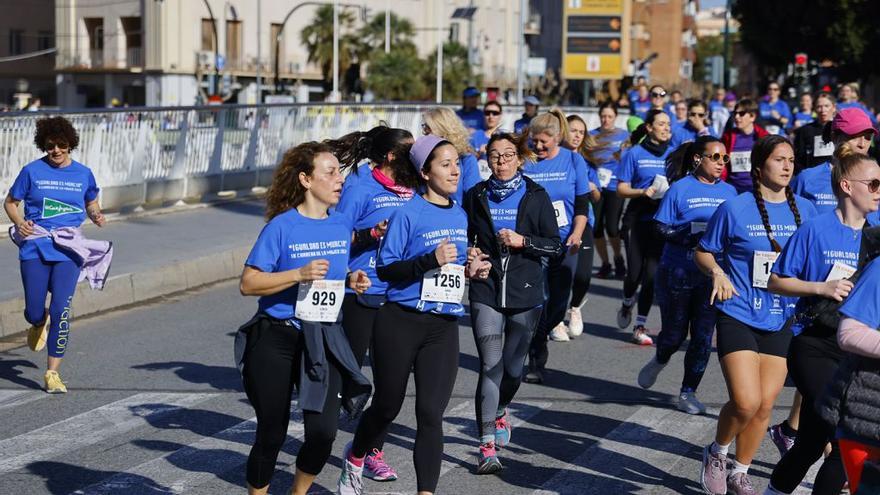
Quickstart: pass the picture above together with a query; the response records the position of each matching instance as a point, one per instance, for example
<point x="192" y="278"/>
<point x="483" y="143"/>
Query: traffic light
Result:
<point x="801" y="71"/>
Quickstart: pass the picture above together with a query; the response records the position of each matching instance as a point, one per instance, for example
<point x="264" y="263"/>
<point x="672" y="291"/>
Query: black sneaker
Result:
<point x="605" y="271"/>
<point x="619" y="269"/>
<point x="535" y="376"/>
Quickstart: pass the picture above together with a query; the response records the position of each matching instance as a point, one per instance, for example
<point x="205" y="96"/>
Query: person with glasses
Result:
<point x="682" y="290"/>
<point x="511" y="219"/>
<point x="809" y="147"/>
<point x="658" y="101"/>
<point x="816" y="263"/>
<point x="58" y="194"/>
<point x="774" y="112"/>
<point x="739" y="141"/>
<point x="694" y="126"/>
<point x="492" y="114"/>
<point x="442" y="122"/>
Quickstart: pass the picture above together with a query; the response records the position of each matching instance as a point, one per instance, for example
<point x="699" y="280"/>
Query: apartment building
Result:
<point x="668" y="29"/>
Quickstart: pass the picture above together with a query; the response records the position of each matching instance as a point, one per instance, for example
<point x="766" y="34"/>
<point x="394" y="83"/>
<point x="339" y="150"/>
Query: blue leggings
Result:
<point x="683" y="297"/>
<point x="58" y="277"/>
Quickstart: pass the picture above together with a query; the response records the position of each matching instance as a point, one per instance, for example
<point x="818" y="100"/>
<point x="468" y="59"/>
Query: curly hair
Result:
<point x="444" y="123"/>
<point x="519" y="141"/>
<point x="286" y="191"/>
<point x="55" y="129"/>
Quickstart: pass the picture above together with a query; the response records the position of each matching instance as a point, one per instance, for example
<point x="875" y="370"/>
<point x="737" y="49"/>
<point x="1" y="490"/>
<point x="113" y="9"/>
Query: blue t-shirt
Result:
<point x="735" y="232"/>
<point x="478" y="140"/>
<point x="640" y="108"/>
<point x="689" y="200"/>
<point x="366" y="203"/>
<point x="863" y="303"/>
<point x="564" y="177"/>
<point x="593" y="177"/>
<point x="53" y="197"/>
<point x="639" y="166"/>
<point x="684" y="134"/>
<point x="470" y="176"/>
<point x="472" y="119"/>
<point x="521" y="124"/>
<point x="873" y="218"/>
<point x="814" y="183"/>
<point x="608" y="145"/>
<point x="811" y="252"/>
<point x="774" y="126"/>
<point x="504" y="212"/>
<point x="291" y="240"/>
<point x="416" y="229"/>
<point x="802" y="118"/>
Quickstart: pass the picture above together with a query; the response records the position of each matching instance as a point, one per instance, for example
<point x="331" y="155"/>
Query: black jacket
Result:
<point x="804" y="146"/>
<point x="517" y="277"/>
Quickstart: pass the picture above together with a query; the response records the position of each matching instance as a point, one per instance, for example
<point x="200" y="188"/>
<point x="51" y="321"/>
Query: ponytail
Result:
<point x="375" y="145"/>
<point x="553" y="123"/>
<point x="680" y="162"/>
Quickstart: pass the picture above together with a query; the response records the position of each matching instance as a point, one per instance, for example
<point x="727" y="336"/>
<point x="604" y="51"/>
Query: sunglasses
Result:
<point x="873" y="184"/>
<point x="426" y="129"/>
<point x="51" y="146"/>
<point x="661" y="94"/>
<point x="718" y="157"/>
<point x="741" y="113"/>
<point x="697" y="114"/>
<point x="773" y="89"/>
<point x="491" y="113"/>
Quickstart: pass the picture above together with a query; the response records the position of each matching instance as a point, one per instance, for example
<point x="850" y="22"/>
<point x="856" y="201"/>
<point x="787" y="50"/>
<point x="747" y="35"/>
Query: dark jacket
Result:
<point x="804" y="144"/>
<point x="517" y="278"/>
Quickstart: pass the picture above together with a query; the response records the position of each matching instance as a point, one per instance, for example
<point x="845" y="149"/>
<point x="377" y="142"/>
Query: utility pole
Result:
<point x="259" y="51"/>
<point x="727" y="45"/>
<point x="335" y="95"/>
<point x="520" y="51"/>
<point x="439" y="95"/>
<point x="387" y="26"/>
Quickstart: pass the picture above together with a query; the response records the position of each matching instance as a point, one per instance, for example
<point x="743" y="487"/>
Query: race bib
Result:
<point x="840" y="271"/>
<point x="821" y="148"/>
<point x="604" y="177"/>
<point x="561" y="216"/>
<point x="660" y="185"/>
<point x="320" y="300"/>
<point x="762" y="263"/>
<point x="444" y="284"/>
<point x="485" y="171"/>
<point x="698" y="227"/>
<point x="773" y="129"/>
<point x="741" y="161"/>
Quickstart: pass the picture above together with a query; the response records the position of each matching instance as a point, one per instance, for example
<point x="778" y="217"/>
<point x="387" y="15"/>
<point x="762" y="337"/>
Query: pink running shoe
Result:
<point x="502" y="431"/>
<point x="377" y="469"/>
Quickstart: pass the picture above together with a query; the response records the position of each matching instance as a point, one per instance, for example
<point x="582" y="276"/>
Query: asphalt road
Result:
<point x="155" y="406"/>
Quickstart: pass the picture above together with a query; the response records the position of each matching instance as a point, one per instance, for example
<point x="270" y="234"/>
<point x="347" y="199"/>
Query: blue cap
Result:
<point x="470" y="91"/>
<point x="532" y="100"/>
<point x="422" y="148"/>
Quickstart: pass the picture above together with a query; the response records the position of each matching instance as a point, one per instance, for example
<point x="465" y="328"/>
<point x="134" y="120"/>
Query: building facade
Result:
<point x="25" y="78"/>
<point x="664" y="34"/>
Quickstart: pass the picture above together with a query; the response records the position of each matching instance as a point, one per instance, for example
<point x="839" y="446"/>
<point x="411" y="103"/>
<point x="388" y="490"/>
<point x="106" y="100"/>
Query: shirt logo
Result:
<point x="757" y="303"/>
<point x="54" y="208"/>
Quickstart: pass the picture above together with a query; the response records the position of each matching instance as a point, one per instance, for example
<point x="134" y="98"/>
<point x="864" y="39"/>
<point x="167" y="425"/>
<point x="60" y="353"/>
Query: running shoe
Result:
<point x="377" y="469"/>
<point x="488" y="462"/>
<point x="619" y="268"/>
<point x="624" y="316"/>
<point x="559" y="333"/>
<point x="605" y="271"/>
<point x="713" y="473"/>
<point x="534" y="375"/>
<point x="688" y="403"/>
<point x="575" y="322"/>
<point x="54" y="385"/>
<point x="649" y="373"/>
<point x="740" y="484"/>
<point x="502" y="431"/>
<point x="36" y="335"/>
<point x="640" y="336"/>
<point x="782" y="441"/>
<point x="350" y="482"/>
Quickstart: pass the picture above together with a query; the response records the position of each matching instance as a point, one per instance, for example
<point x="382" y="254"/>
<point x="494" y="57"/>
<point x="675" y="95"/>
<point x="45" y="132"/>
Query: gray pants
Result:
<point x="502" y="337"/>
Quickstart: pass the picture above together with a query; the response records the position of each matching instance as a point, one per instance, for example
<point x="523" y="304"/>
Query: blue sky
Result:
<point x="705" y="4"/>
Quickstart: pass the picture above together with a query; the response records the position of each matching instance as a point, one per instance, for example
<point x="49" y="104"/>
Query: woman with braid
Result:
<point x="742" y="240"/>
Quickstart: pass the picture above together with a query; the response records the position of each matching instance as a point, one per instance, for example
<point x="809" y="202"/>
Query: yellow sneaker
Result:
<point x="54" y="385"/>
<point x="36" y="336"/>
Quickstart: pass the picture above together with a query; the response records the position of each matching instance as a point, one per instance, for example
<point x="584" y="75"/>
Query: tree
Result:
<point x="371" y="37"/>
<point x="318" y="39"/>
<point x="397" y="75"/>
<point x="457" y="73"/>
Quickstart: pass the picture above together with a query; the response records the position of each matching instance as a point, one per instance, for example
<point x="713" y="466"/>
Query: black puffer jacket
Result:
<point x="517" y="279"/>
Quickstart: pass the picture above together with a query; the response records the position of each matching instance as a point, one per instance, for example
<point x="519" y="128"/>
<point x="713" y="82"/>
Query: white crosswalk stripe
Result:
<point x="91" y="427"/>
<point x="14" y="398"/>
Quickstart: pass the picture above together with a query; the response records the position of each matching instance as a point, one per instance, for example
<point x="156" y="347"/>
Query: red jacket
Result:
<point x="729" y="139"/>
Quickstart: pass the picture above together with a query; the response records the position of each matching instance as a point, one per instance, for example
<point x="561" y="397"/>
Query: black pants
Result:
<point x="608" y="212"/>
<point x="271" y="368"/>
<point x="812" y="363"/>
<point x="643" y="250"/>
<point x="404" y="340"/>
<point x="559" y="276"/>
<point x="584" y="272"/>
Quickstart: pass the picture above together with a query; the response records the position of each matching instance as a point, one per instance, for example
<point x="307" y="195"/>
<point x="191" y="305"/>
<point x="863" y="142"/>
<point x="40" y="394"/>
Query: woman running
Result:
<point x="299" y="268"/>
<point x="445" y="124"/>
<point x="739" y="141"/>
<point x="422" y="258"/>
<point x="511" y="219"/>
<point x="642" y="179"/>
<point x="369" y="197"/>
<point x="810" y="148"/>
<point x="58" y="193"/>
<point x="563" y="174"/>
<point x="816" y="263"/>
<point x="610" y="206"/>
<point x="746" y="234"/>
<point x="682" y="290"/>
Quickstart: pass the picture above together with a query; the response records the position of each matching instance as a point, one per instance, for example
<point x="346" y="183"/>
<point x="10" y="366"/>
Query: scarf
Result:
<point x="654" y="148"/>
<point x="500" y="189"/>
<point x="387" y="183"/>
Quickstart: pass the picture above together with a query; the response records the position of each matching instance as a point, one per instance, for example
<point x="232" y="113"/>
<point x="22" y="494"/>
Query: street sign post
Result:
<point x="595" y="38"/>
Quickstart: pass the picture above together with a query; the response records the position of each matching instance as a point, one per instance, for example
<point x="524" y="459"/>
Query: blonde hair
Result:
<point x="444" y="123"/>
<point x="553" y="123"/>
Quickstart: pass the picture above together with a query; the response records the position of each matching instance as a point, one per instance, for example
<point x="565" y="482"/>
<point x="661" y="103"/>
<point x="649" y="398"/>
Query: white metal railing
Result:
<point x="125" y="147"/>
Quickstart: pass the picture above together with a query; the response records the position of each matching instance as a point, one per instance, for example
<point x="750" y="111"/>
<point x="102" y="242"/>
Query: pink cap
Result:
<point x="852" y="122"/>
<point x="422" y="148"/>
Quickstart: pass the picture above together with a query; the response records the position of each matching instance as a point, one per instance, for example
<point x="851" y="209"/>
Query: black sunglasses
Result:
<point x="716" y="157"/>
<point x="873" y="184"/>
<point x="493" y="113"/>
<point x="661" y="94"/>
<point x="697" y="114"/>
<point x="741" y="113"/>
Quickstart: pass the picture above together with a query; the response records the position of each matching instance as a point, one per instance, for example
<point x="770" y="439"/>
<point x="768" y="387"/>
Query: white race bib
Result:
<point x="485" y="171"/>
<point x="697" y="227"/>
<point x="773" y="129"/>
<point x="320" y="300"/>
<point x="821" y="148"/>
<point x="444" y="284"/>
<point x="561" y="216"/>
<point x="604" y="177"/>
<point x="840" y="271"/>
<point x="660" y="185"/>
<point x="741" y="161"/>
<point x="762" y="263"/>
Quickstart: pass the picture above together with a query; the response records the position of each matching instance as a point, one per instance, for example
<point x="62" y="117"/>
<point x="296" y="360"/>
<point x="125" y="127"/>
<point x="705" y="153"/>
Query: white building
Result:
<point x="161" y="52"/>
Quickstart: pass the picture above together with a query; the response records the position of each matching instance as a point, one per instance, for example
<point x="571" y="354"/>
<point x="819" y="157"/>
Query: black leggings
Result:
<point x="271" y="367"/>
<point x="584" y="272"/>
<point x="643" y="250"/>
<point x="559" y="276"/>
<point x="608" y="212"/>
<point x="404" y="340"/>
<point x="812" y="363"/>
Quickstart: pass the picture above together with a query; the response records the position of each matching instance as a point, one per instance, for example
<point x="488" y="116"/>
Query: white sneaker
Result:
<point x="648" y="375"/>
<point x="575" y="323"/>
<point x="350" y="480"/>
<point x="687" y="402"/>
<point x="559" y="333"/>
<point x="640" y="336"/>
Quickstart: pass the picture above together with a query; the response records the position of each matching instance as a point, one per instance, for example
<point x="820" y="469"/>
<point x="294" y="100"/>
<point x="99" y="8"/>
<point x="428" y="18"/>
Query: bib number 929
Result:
<point x="323" y="298"/>
<point x="320" y="300"/>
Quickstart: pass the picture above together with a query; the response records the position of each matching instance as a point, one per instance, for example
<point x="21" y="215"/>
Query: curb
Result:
<point x="132" y="288"/>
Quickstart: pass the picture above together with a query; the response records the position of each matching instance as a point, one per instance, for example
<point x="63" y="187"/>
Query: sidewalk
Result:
<point x="154" y="255"/>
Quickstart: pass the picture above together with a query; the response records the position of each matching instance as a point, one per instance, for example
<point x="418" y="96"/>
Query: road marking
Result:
<point x="13" y="398"/>
<point x="91" y="427"/>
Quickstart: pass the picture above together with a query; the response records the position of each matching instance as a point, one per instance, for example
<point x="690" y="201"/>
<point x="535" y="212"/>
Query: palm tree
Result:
<point x="371" y="36"/>
<point x="457" y="72"/>
<point x="318" y="39"/>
